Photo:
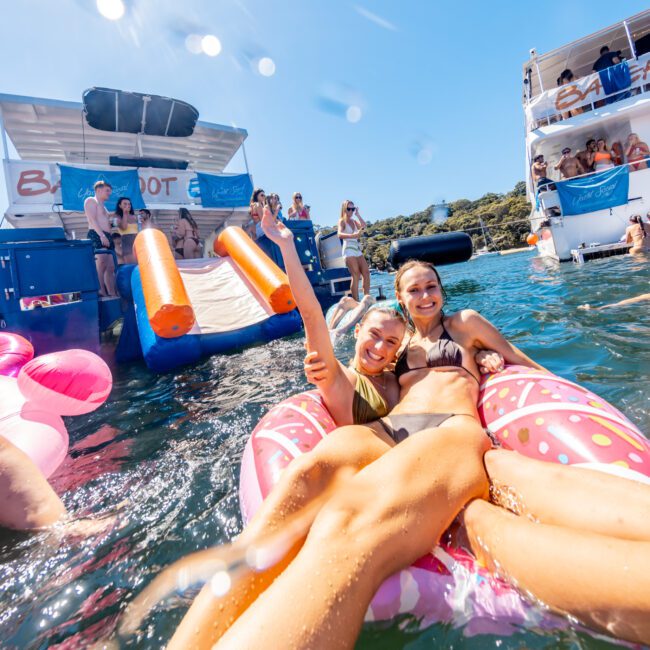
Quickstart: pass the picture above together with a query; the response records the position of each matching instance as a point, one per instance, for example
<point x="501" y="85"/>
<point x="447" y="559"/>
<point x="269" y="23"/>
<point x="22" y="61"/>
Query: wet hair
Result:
<point x="184" y="213"/>
<point x="539" y="156"/>
<point x="590" y="141"/>
<point x="411" y="264"/>
<point x="256" y="192"/>
<point x="99" y="184"/>
<point x="637" y="219"/>
<point x="118" y="208"/>
<point x="392" y="312"/>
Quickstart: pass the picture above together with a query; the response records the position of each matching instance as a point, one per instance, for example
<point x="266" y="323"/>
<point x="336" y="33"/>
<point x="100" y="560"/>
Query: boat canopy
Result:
<point x="60" y="131"/>
<point x="127" y="112"/>
<point x="631" y="37"/>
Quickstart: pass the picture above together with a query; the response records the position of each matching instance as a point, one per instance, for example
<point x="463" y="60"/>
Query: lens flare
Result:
<point x="353" y="114"/>
<point x="193" y="43"/>
<point x="266" y="66"/>
<point x="210" y="45"/>
<point x="111" y="9"/>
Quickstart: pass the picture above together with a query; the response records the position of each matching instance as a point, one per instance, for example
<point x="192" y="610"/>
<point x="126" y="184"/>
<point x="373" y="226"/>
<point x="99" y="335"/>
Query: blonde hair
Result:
<point x="344" y="211"/>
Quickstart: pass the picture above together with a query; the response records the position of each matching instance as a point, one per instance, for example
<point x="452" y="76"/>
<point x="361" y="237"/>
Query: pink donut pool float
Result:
<point x="449" y="585"/>
<point x="70" y="382"/>
<point x="15" y="352"/>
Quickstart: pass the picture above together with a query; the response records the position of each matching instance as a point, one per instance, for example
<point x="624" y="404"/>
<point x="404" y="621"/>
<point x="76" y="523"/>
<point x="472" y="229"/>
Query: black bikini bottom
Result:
<point x="400" y="427"/>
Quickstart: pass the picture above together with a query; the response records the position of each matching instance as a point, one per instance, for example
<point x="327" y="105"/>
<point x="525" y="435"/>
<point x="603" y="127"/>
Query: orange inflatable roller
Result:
<point x="168" y="305"/>
<point x="259" y="269"/>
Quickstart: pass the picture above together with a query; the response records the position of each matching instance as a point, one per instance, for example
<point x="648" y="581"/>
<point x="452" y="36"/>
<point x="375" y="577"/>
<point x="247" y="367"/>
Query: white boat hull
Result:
<point x="563" y="234"/>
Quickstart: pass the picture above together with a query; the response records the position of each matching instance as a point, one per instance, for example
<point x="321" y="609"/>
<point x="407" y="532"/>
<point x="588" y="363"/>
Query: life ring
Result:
<point x="449" y="583"/>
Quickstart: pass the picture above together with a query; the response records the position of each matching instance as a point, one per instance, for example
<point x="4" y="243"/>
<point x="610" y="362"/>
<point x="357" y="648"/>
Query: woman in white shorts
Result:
<point x="350" y="226"/>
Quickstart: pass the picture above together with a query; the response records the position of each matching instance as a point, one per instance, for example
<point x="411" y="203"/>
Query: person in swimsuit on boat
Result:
<point x="187" y="244"/>
<point x="127" y="227"/>
<point x="637" y="235"/>
<point x="349" y="230"/>
<point x="602" y="157"/>
<point x="636" y="152"/>
<point x="297" y="209"/>
<point x="100" y="236"/>
<point x="395" y="508"/>
<point x="256" y="209"/>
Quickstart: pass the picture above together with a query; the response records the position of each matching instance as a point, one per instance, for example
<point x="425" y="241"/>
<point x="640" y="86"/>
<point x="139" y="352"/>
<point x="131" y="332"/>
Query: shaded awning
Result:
<point x="57" y="131"/>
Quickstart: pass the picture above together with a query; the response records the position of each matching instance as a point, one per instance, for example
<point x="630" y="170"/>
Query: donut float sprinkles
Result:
<point x="530" y="411"/>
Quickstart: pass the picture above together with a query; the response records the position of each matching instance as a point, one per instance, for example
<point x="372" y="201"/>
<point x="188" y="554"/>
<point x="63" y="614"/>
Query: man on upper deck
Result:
<point x="586" y="157"/>
<point x="569" y="165"/>
<point x="100" y="235"/>
<point x="607" y="59"/>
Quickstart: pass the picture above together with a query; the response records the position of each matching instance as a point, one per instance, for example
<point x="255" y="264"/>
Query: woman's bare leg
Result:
<point x="567" y="496"/>
<point x="28" y="500"/>
<point x="381" y="520"/>
<point x="353" y="267"/>
<point x="365" y="275"/>
<point x="604" y="582"/>
<point x="210" y="616"/>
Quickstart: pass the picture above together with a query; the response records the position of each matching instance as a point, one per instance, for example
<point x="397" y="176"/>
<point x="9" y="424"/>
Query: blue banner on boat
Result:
<point x="225" y="191"/>
<point x="77" y="186"/>
<point x="594" y="192"/>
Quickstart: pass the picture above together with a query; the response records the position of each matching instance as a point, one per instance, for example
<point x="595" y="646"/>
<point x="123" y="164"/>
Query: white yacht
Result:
<point x="590" y="211"/>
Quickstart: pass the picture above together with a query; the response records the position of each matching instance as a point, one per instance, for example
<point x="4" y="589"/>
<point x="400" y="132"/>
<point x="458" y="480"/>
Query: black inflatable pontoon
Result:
<point x="444" y="248"/>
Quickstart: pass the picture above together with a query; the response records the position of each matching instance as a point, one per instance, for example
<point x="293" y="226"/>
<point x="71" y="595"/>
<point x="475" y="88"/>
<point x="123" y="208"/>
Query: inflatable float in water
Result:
<point x="531" y="411"/>
<point x="189" y="309"/>
<point x="70" y="382"/>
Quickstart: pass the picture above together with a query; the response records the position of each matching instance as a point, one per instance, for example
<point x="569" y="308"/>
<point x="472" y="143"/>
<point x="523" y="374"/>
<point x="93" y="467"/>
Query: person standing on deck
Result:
<point x="569" y="165"/>
<point x="99" y="234"/>
<point x="349" y="230"/>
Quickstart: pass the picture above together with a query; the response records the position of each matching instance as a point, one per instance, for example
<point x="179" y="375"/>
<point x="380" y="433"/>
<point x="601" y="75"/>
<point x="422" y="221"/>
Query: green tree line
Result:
<point x="505" y="217"/>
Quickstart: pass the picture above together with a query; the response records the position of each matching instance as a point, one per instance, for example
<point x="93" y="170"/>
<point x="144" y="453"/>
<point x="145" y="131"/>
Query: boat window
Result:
<point x="52" y="300"/>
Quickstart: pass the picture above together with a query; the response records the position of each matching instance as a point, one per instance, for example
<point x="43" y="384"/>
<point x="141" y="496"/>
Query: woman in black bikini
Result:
<point x="187" y="244"/>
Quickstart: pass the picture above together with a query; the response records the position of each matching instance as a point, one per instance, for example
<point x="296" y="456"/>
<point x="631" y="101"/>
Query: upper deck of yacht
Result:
<point x="552" y="106"/>
<point x="46" y="133"/>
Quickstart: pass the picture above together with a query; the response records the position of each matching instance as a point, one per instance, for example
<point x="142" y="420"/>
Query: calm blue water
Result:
<point x="163" y="455"/>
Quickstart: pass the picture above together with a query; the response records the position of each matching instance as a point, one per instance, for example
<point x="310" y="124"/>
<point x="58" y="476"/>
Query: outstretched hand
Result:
<point x="274" y="229"/>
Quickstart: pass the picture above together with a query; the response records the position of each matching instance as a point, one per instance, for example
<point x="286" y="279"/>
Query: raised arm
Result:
<point x="318" y="337"/>
<point x="487" y="337"/>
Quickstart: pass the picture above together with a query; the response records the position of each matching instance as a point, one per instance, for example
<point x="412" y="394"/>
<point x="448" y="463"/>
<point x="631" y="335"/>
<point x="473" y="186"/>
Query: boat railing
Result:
<point x="548" y="200"/>
<point x="583" y="95"/>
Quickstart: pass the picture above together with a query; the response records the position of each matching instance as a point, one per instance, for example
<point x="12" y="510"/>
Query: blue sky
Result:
<point x="438" y="84"/>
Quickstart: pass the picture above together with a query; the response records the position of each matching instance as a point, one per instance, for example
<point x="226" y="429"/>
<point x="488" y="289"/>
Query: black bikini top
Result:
<point x="445" y="352"/>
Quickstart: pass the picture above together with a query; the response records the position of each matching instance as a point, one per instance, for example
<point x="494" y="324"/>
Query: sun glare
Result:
<point x="111" y="9"/>
<point x="210" y="45"/>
